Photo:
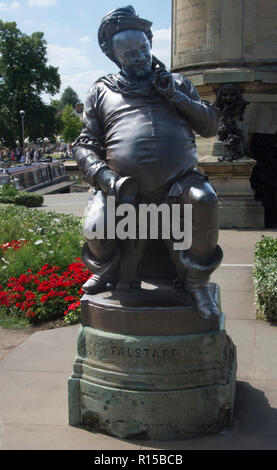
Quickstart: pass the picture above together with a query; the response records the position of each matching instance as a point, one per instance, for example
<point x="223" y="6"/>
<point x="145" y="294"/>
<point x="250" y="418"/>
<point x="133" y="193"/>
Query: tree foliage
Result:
<point x="56" y="104"/>
<point x="72" y="125"/>
<point x="69" y="96"/>
<point x="24" y="77"/>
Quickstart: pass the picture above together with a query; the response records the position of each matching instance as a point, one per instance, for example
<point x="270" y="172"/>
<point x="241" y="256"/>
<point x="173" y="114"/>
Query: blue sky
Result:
<point x="70" y="28"/>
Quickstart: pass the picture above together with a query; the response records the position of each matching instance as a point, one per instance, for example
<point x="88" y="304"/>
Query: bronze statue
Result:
<point x="138" y="144"/>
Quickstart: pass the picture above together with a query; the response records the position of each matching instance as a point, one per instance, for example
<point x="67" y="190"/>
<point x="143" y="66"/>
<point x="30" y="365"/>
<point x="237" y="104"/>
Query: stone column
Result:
<point x="216" y="42"/>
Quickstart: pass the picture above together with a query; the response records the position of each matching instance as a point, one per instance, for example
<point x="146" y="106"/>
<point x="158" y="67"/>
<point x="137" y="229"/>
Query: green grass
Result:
<point x="8" y="322"/>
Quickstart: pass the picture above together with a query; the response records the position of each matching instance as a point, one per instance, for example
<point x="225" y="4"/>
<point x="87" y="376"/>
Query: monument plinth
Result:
<point x="154" y="373"/>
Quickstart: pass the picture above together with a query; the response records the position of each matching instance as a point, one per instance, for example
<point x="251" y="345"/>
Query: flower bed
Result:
<point x="46" y="295"/>
<point x="43" y="237"/>
<point x="41" y="272"/>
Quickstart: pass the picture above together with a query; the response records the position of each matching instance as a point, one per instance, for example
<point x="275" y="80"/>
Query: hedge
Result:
<point x="23" y="198"/>
<point x="265" y="278"/>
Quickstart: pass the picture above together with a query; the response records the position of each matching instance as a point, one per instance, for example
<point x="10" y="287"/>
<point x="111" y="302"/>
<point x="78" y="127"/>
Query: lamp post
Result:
<point x="22" y="114"/>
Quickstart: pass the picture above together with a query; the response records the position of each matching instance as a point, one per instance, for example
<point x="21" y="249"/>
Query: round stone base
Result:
<point x="153" y="387"/>
<point x="167" y="415"/>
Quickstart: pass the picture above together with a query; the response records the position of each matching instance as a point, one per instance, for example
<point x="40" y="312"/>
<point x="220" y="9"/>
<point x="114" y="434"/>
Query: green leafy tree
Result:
<point x="72" y="125"/>
<point x="7" y="134"/>
<point x="56" y="104"/>
<point x="69" y="96"/>
<point x="24" y="77"/>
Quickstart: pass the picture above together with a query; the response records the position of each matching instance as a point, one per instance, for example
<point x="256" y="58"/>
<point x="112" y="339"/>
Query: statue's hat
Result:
<point x="119" y="20"/>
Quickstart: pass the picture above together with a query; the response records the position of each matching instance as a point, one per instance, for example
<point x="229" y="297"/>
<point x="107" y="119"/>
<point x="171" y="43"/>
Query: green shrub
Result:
<point x="265" y="278"/>
<point x="9" y="195"/>
<point x="23" y="198"/>
<point x="8" y="190"/>
<point x="7" y="199"/>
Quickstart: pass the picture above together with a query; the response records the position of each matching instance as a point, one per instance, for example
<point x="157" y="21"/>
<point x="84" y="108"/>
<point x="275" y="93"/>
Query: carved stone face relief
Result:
<point x="228" y="96"/>
<point x="231" y="107"/>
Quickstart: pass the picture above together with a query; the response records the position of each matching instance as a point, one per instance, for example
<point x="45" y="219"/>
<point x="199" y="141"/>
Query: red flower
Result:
<point x="30" y="314"/>
<point x="29" y="291"/>
<point x="72" y="307"/>
<point x="70" y="298"/>
<point x="29" y="295"/>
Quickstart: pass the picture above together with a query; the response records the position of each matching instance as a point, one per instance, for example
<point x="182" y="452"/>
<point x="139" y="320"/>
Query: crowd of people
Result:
<point x="7" y="154"/>
<point x="33" y="153"/>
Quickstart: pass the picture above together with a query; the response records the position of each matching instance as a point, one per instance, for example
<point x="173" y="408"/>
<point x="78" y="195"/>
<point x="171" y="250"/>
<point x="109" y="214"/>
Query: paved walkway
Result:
<point x="33" y="378"/>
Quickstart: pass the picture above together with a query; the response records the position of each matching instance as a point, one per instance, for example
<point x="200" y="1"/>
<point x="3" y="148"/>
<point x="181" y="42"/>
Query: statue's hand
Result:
<point x="164" y="84"/>
<point x="107" y="179"/>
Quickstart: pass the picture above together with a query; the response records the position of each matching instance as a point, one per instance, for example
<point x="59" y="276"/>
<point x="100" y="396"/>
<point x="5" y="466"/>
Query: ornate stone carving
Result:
<point x="231" y="107"/>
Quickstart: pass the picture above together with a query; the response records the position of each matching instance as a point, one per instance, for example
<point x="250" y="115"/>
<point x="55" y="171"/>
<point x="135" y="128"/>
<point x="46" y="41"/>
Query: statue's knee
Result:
<point x="205" y="196"/>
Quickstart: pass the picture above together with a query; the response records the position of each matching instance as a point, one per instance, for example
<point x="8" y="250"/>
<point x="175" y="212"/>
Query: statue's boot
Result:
<point x="104" y="272"/>
<point x="96" y="284"/>
<point x="195" y="266"/>
<point x="195" y="276"/>
<point x="204" y="300"/>
<point x="197" y="284"/>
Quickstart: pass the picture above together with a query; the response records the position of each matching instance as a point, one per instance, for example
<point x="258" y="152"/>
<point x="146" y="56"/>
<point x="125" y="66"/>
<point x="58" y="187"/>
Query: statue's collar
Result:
<point x="117" y="82"/>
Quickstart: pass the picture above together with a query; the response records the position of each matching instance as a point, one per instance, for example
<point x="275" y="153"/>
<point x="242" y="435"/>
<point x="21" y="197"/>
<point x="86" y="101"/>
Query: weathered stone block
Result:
<point x="153" y="387"/>
<point x="237" y="207"/>
<point x="236" y="213"/>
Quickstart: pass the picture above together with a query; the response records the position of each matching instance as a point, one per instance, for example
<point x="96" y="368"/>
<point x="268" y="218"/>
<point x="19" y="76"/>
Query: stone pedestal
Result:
<point x="167" y="381"/>
<point x="237" y="207"/>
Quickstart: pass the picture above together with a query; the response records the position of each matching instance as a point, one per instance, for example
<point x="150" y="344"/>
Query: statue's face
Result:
<point x="133" y="51"/>
<point x="228" y="95"/>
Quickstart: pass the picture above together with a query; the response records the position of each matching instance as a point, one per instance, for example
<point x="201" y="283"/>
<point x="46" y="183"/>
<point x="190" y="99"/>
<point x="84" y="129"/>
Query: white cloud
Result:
<point x="69" y="59"/>
<point x="85" y="39"/>
<point x="7" y="7"/>
<point x="162" y="45"/>
<point x="76" y="70"/>
<point x="53" y="27"/>
<point x="42" y="3"/>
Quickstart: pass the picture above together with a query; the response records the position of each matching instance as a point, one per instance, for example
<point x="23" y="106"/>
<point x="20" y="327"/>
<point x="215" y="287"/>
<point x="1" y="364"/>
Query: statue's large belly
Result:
<point x="154" y="152"/>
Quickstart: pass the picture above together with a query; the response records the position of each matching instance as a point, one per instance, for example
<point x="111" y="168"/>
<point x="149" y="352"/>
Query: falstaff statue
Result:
<point x="138" y="137"/>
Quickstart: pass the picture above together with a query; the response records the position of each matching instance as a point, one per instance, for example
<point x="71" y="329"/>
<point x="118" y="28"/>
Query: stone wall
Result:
<point x="211" y="33"/>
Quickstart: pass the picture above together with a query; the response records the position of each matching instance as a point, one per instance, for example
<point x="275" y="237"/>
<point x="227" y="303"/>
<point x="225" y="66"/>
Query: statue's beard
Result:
<point x="138" y="73"/>
<point x="142" y="73"/>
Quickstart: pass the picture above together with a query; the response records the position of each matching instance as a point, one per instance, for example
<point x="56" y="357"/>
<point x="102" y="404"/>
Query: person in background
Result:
<point x="28" y="156"/>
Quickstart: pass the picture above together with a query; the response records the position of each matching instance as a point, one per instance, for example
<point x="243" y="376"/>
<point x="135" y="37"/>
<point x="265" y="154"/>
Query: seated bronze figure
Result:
<point x="138" y="145"/>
